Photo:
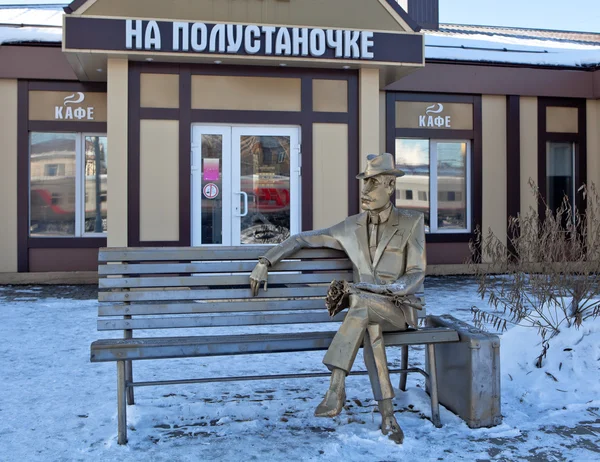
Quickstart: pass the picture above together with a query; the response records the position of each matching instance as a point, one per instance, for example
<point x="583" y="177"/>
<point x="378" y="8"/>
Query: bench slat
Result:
<point x="174" y="295"/>
<point x="220" y="267"/>
<point x="179" y="347"/>
<point x="108" y="254"/>
<point x="219" y="280"/>
<point x="137" y="309"/>
<point x="220" y="320"/>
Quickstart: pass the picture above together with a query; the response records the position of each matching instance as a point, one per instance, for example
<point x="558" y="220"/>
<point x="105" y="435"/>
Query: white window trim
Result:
<point x="79" y="188"/>
<point x="80" y="185"/>
<point x="433" y="188"/>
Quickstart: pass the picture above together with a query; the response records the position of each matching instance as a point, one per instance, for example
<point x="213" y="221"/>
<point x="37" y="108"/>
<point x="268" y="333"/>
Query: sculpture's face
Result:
<point x="376" y="192"/>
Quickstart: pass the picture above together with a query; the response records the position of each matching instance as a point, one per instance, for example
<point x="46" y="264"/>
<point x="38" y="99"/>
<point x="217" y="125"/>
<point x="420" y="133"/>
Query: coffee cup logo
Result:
<point x="431" y="120"/>
<point x="72" y="108"/>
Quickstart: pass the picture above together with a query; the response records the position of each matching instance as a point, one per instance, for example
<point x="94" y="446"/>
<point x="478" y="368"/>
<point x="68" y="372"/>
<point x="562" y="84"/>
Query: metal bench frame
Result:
<point x="208" y="287"/>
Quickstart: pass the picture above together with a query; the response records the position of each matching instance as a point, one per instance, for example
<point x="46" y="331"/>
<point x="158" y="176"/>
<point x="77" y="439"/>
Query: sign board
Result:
<point x="428" y="115"/>
<point x="131" y="35"/>
<point x="210" y="190"/>
<point x="67" y="106"/>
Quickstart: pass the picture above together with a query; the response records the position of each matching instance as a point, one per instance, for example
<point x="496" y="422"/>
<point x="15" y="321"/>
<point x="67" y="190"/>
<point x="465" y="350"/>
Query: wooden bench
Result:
<point x="173" y="288"/>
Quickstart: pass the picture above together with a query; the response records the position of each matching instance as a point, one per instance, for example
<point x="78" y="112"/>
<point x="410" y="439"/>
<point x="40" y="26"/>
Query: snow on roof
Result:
<point x="513" y="46"/>
<point x="452" y="42"/>
<point x="30" y="23"/>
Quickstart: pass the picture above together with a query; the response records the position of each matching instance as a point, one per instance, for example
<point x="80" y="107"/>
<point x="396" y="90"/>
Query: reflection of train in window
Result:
<point x="413" y="192"/>
<point x="53" y="204"/>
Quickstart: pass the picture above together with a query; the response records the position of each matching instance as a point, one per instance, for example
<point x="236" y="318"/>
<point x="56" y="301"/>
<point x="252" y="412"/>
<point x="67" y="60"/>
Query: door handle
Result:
<point x="245" y="196"/>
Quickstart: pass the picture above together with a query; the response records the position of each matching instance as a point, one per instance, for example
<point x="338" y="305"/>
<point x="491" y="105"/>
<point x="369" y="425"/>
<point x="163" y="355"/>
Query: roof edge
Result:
<point x="404" y="15"/>
<point x="76" y="4"/>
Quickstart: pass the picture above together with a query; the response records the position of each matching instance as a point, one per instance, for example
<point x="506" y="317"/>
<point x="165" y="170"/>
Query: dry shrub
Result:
<point x="547" y="275"/>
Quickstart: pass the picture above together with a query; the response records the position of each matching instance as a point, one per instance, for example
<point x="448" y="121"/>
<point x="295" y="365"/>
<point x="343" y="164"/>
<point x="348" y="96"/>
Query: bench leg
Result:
<point x="129" y="379"/>
<point x="433" y="387"/>
<point x="121" y="403"/>
<point x="403" y="365"/>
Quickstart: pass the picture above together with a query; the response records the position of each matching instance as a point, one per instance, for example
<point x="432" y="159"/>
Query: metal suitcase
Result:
<point x="468" y="373"/>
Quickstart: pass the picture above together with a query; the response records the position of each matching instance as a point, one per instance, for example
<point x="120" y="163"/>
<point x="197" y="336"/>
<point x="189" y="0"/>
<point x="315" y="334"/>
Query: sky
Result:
<point x="574" y="15"/>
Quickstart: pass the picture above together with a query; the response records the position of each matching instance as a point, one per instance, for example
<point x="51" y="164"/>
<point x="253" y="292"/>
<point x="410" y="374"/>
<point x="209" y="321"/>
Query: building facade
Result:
<point x="244" y="121"/>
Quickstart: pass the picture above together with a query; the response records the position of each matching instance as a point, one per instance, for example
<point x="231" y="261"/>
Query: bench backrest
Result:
<point x="184" y="287"/>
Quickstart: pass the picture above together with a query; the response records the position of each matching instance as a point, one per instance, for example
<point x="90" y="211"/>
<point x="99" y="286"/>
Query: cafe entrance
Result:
<point x="245" y="184"/>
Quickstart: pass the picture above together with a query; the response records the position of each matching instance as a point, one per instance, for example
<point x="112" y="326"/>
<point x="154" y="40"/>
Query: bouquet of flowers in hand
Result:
<point x="337" y="297"/>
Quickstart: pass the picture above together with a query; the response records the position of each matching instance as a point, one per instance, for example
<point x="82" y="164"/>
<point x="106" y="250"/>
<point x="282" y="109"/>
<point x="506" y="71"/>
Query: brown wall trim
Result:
<point x="90" y="87"/>
<point x="34" y="62"/>
<point x="22" y="177"/>
<point x="133" y="156"/>
<point x="67" y="242"/>
<point x="52" y="126"/>
<point x="580" y="139"/>
<point x="513" y="160"/>
<point x="353" y="143"/>
<point x="159" y="113"/>
<point x="498" y="80"/>
<point x="63" y="259"/>
<point x="477" y="171"/>
<point x="434" y="133"/>
<point x="451" y="253"/>
<point x="306" y="102"/>
<point x="185" y="161"/>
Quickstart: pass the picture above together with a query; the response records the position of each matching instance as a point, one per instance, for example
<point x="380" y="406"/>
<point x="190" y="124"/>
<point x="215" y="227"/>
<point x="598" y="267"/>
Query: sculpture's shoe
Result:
<point x="332" y="404"/>
<point x="390" y="427"/>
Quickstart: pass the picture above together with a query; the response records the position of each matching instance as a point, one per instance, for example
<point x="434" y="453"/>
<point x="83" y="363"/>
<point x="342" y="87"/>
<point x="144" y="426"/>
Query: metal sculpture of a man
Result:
<point x="386" y="246"/>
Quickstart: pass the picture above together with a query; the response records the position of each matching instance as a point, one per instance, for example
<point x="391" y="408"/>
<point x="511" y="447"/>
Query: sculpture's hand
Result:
<point x="373" y="288"/>
<point x="259" y="274"/>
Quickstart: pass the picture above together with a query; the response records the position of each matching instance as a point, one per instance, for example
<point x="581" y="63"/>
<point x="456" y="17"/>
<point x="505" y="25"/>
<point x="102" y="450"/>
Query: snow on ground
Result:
<point x="56" y="405"/>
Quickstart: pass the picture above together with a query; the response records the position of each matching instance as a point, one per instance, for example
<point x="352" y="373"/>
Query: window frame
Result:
<point x="79" y="228"/>
<point x="433" y="185"/>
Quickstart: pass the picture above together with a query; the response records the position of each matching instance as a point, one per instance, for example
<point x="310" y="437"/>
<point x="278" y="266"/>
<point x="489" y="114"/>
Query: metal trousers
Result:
<point x="369" y="315"/>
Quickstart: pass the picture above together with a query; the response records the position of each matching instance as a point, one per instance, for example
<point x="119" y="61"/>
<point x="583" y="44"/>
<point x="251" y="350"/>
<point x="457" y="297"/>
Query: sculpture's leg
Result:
<point x="403" y="365"/>
<point x="369" y="358"/>
<point x="376" y="340"/>
<point x="121" y="403"/>
<point x="346" y="342"/>
<point x="433" y="387"/>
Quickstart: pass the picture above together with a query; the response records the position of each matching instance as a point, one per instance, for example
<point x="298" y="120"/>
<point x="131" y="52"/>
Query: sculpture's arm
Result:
<point x="318" y="238"/>
<point x="412" y="279"/>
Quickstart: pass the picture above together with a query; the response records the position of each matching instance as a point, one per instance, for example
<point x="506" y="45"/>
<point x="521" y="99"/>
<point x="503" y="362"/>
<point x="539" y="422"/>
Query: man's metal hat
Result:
<point x="380" y="164"/>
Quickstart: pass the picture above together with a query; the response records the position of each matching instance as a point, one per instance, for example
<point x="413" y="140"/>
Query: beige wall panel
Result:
<point x="561" y="119"/>
<point x="117" y="152"/>
<point x="8" y="176"/>
<point x="245" y="93"/>
<point x="349" y="14"/>
<point x="529" y="151"/>
<point x="330" y="95"/>
<point x="382" y="123"/>
<point x="159" y="180"/>
<point x="368" y="119"/>
<point x="159" y="90"/>
<point x="593" y="142"/>
<point x="43" y="104"/>
<point x="593" y="146"/>
<point x="494" y="165"/>
<point x="330" y="174"/>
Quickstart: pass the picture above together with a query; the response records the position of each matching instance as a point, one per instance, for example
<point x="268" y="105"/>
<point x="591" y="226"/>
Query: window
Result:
<point x="68" y="191"/>
<point x="560" y="173"/>
<point x="440" y="172"/>
<point x="408" y="194"/>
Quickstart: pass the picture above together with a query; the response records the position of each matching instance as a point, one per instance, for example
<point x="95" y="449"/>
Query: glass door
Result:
<point x="245" y="184"/>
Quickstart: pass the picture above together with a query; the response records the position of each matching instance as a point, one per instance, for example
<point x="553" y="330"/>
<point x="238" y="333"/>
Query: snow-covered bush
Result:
<point x="546" y="274"/>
